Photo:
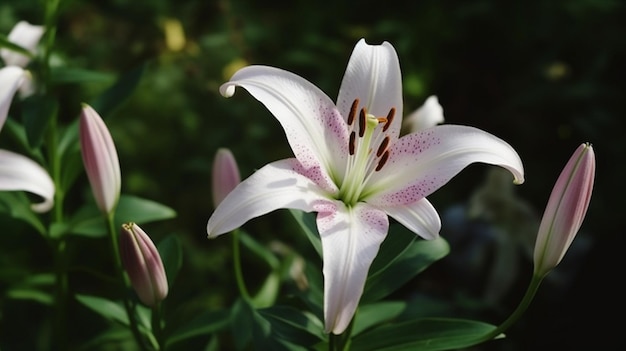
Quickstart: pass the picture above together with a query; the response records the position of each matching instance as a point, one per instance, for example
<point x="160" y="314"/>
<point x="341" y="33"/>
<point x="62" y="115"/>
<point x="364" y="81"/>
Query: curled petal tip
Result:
<point x="227" y="90"/>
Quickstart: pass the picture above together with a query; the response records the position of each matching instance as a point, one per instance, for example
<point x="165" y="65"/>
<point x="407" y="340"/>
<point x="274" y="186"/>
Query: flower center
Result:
<point x="368" y="148"/>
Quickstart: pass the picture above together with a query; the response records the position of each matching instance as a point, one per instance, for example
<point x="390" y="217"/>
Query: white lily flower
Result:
<point x="11" y="78"/>
<point x="351" y="168"/>
<point x="25" y="35"/>
<point x="428" y="115"/>
<point x="19" y="172"/>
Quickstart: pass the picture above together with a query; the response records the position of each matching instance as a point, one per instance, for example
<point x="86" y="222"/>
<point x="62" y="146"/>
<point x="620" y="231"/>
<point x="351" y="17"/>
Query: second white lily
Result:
<point x="352" y="168"/>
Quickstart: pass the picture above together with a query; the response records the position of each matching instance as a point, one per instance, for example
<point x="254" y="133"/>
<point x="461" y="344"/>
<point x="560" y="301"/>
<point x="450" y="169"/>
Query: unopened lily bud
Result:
<point x="25" y="35"/>
<point x="225" y="175"/>
<point x="142" y="262"/>
<point x="100" y="160"/>
<point x="428" y="115"/>
<point x="566" y="210"/>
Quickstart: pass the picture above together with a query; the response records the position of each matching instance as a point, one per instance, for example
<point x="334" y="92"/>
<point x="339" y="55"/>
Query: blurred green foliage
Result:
<point x="543" y="75"/>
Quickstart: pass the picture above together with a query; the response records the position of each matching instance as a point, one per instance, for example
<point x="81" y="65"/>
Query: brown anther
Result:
<point x="362" y="122"/>
<point x="383" y="146"/>
<point x="382" y="119"/>
<point x="382" y="161"/>
<point x="351" y="143"/>
<point x="390" y="116"/>
<point x="352" y="113"/>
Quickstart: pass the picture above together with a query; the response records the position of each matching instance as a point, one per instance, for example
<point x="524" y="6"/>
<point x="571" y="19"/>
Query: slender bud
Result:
<point x="143" y="264"/>
<point x="100" y="160"/>
<point x="25" y="35"/>
<point x="566" y="209"/>
<point x="225" y="175"/>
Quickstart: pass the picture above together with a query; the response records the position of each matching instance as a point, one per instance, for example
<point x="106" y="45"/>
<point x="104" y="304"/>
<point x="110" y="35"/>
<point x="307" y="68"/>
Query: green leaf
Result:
<point x="171" y="252"/>
<point x="418" y="255"/>
<point x="119" y="92"/>
<point x="206" y="323"/>
<point x="64" y="75"/>
<point x="37" y="111"/>
<point x="35" y="287"/>
<point x="138" y="210"/>
<point x="370" y="315"/>
<point x="250" y="326"/>
<point x="309" y="227"/>
<point x="427" y="334"/>
<point x="108" y="309"/>
<point x="268" y="293"/>
<point x="259" y="250"/>
<point x="17" y="205"/>
<point x="5" y="43"/>
<point x="113" y="336"/>
<point x="294" y="325"/>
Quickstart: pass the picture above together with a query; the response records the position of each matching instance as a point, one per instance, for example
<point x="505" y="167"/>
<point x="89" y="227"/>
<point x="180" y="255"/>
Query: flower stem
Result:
<point x="241" y="285"/>
<point x="157" y="328"/>
<point x="119" y="270"/>
<point x="342" y="341"/>
<point x="519" y="311"/>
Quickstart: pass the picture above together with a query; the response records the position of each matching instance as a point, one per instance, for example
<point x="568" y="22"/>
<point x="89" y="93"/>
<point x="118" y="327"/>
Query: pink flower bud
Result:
<point x="100" y="159"/>
<point x="225" y="175"/>
<point x="566" y="209"/>
<point x="143" y="264"/>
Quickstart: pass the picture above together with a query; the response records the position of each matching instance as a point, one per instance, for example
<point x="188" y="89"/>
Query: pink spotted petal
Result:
<point x="277" y="185"/>
<point x="351" y="238"/>
<point x="315" y="130"/>
<point x="422" y="162"/>
<point x="420" y="217"/>
<point x="373" y="76"/>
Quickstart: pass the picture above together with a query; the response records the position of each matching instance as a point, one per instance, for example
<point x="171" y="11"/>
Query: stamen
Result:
<point x="351" y="143"/>
<point x="390" y="116"/>
<point x="382" y="161"/>
<point x="352" y="113"/>
<point x="383" y="146"/>
<point x="381" y="119"/>
<point x="362" y="120"/>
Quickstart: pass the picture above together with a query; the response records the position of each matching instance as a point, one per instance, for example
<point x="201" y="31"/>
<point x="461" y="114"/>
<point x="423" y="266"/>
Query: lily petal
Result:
<point x="11" y="77"/>
<point x="25" y="35"/>
<point x="373" y="76"/>
<point x="422" y="162"/>
<point x="277" y="185"/>
<point x="18" y="172"/>
<point x="351" y="238"/>
<point x="315" y="130"/>
<point x="419" y="217"/>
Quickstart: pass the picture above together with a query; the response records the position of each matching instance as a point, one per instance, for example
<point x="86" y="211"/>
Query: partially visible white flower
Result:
<point x="428" y="115"/>
<point x="11" y="78"/>
<point x="18" y="172"/>
<point x="25" y="35"/>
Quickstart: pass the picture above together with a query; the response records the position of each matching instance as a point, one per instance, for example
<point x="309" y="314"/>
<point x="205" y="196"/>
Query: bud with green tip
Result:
<point x="566" y="210"/>
<point x="142" y="262"/>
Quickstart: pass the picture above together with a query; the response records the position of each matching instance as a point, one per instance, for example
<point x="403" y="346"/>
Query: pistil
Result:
<point x="362" y="161"/>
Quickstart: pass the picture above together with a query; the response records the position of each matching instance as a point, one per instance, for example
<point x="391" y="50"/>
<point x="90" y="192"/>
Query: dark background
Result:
<point x="544" y="76"/>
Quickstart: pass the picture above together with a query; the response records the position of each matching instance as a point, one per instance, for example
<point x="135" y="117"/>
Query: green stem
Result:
<point x="130" y="310"/>
<point x="60" y="299"/>
<point x="519" y="311"/>
<point x="241" y="285"/>
<point x="342" y="341"/>
<point x="157" y="327"/>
